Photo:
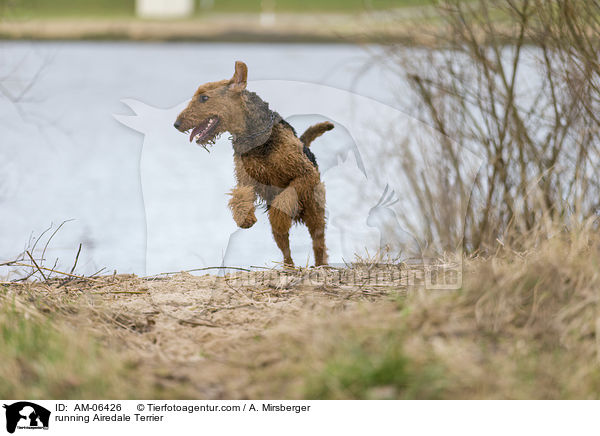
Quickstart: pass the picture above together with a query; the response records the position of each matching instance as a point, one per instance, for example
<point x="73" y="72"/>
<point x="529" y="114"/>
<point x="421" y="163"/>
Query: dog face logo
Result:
<point x="26" y="415"/>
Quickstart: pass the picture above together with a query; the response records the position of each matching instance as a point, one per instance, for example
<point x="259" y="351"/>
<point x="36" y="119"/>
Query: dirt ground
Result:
<point x="214" y="337"/>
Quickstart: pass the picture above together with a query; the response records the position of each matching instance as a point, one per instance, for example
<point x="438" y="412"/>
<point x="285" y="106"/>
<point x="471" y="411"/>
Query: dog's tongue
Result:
<point x="195" y="132"/>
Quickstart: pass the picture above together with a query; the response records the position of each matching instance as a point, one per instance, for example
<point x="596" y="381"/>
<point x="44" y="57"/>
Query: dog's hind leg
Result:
<point x="282" y="210"/>
<point x="280" y="226"/>
<point x="316" y="227"/>
<point x="283" y="242"/>
<point x="313" y="216"/>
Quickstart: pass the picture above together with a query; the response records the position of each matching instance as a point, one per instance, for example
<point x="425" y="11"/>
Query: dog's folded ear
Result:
<point x="240" y="77"/>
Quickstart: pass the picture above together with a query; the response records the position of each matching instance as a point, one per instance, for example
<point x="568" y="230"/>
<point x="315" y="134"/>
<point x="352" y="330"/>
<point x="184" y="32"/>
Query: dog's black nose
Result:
<point x="177" y="124"/>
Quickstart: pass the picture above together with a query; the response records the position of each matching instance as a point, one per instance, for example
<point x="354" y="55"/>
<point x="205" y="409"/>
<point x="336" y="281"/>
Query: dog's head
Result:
<point x="225" y="106"/>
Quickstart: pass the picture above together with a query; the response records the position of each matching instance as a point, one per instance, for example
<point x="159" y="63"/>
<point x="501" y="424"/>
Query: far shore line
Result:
<point x="382" y="28"/>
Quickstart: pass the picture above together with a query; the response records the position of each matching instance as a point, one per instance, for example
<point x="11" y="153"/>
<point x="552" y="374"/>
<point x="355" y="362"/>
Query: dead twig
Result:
<point x="36" y="265"/>
<point x="52" y="236"/>
<point x="76" y="259"/>
<point x="53" y="270"/>
<point x="195" y="270"/>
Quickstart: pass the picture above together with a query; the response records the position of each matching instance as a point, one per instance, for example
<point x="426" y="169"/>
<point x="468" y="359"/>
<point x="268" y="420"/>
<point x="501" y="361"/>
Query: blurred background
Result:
<point x="47" y="8"/>
<point x="72" y="152"/>
<point x="271" y="20"/>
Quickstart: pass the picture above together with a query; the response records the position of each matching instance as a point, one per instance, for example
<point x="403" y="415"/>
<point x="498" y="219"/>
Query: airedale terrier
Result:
<point x="271" y="162"/>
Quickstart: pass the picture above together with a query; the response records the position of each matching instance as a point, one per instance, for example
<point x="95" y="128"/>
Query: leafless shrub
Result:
<point x="516" y="82"/>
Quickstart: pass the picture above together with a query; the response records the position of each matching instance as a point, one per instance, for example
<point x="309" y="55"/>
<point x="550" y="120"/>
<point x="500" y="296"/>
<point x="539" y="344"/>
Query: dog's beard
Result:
<point x="210" y="141"/>
<point x="206" y="132"/>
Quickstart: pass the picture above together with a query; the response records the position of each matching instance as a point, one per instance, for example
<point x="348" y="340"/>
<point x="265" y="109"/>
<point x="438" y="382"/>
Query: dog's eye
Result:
<point x="203" y="98"/>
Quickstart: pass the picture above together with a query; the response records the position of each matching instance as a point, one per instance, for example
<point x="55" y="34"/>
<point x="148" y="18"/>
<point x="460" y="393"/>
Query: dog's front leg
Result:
<point x="241" y="204"/>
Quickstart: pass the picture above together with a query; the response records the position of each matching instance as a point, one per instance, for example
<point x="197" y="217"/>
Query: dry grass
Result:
<point x="524" y="325"/>
<point x="45" y="357"/>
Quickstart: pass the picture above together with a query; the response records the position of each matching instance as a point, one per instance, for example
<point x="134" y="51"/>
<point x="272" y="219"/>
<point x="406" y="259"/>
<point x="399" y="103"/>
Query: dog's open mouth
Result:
<point x="203" y="133"/>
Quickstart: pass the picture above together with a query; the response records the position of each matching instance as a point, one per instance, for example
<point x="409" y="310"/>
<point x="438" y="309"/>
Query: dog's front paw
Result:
<point x="249" y="221"/>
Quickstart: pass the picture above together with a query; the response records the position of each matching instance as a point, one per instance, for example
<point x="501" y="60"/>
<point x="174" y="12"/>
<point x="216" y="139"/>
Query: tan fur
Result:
<point x="313" y="132"/>
<point x="242" y="206"/>
<point x="269" y="160"/>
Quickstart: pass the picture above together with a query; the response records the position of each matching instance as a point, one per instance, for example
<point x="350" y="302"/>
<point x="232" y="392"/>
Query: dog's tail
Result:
<point x="313" y="132"/>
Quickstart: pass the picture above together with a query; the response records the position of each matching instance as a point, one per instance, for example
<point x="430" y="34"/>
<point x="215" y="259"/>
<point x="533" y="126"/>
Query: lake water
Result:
<point x="91" y="140"/>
